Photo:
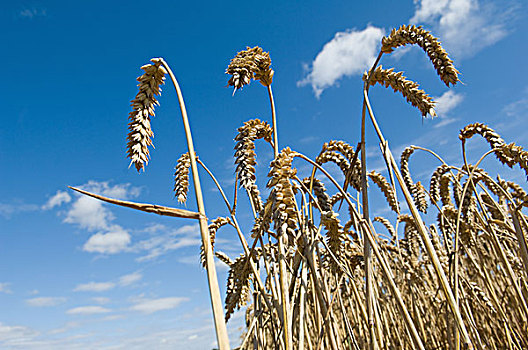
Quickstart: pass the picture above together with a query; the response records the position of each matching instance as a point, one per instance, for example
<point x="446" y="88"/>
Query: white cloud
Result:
<point x="88" y="310"/>
<point x="94" y="287"/>
<point x="196" y="335"/>
<point x="447" y="101"/>
<point x="114" y="241"/>
<point x="129" y="279"/>
<point x="465" y="26"/>
<point x="154" y="305"/>
<point x="59" y="198"/>
<point x="45" y="301"/>
<point x="444" y="122"/>
<point x="13" y="333"/>
<point x="90" y="214"/>
<point x="348" y="53"/>
<point x="519" y="107"/>
<point x="33" y="12"/>
<point x="4" y="288"/>
<point x="68" y="326"/>
<point x="119" y="191"/>
<point x="101" y="300"/>
<point x="185" y="236"/>
<point x="6" y="210"/>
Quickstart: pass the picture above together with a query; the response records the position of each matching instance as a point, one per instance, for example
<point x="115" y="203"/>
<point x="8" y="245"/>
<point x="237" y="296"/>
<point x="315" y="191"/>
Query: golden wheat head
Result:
<point x="252" y="63"/>
<point x="408" y="88"/>
<point x="413" y="35"/>
<point x="140" y="132"/>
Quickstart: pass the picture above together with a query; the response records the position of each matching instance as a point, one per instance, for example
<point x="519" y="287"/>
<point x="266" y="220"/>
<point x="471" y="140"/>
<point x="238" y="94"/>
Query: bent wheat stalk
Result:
<point x="424" y="235"/>
<point x="214" y="290"/>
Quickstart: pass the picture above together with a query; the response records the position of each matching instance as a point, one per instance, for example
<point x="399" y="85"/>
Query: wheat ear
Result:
<point x="386" y="188"/>
<point x="252" y="63"/>
<point x="140" y="132"/>
<point x="410" y="35"/>
<point x="181" y="178"/>
<point x="408" y="88"/>
<point x="213" y="227"/>
<point x="387" y="225"/>
<point x="509" y="154"/>
<point x="245" y="156"/>
<point x="238" y="285"/>
<point x="434" y="188"/>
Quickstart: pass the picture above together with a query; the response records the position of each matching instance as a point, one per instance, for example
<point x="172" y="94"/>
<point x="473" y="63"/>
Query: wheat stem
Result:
<point x="274" y="120"/>
<point x="423" y="233"/>
<point x="364" y="196"/>
<point x="214" y="290"/>
<point x="386" y="269"/>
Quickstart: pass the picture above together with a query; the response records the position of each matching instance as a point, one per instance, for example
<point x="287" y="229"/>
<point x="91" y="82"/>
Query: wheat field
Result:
<point x="316" y="272"/>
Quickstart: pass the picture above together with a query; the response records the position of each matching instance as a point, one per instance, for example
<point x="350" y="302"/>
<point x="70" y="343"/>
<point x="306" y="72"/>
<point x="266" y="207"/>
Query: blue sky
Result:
<point x="77" y="274"/>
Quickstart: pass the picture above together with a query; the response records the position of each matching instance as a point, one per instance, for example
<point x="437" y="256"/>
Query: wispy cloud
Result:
<point x="464" y="26"/>
<point x="13" y="333"/>
<point x="22" y="337"/>
<point x="45" y="301"/>
<point x="58" y="199"/>
<point x="348" y="53"/>
<point x="123" y="281"/>
<point x="4" y="288"/>
<point x="6" y="210"/>
<point x="516" y="113"/>
<point x="129" y="279"/>
<point x="149" y="306"/>
<point x="185" y="236"/>
<point x="101" y="300"/>
<point x="68" y="326"/>
<point x="94" y="287"/>
<point x="30" y="13"/>
<point x="518" y="107"/>
<point x="448" y="101"/>
<point x="88" y="310"/>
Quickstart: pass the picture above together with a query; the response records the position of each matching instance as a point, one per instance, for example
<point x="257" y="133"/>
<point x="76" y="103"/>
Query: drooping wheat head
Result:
<point x="140" y="132"/>
<point x="245" y="156"/>
<point x="213" y="227"/>
<point x="252" y="63"/>
<point x="408" y="88"/>
<point x="386" y="188"/>
<point x="410" y="35"/>
<point x="181" y="177"/>
<point x="284" y="204"/>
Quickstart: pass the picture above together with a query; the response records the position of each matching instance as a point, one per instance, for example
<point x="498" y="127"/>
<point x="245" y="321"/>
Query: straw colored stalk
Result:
<point x="422" y="230"/>
<point x="214" y="290"/>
